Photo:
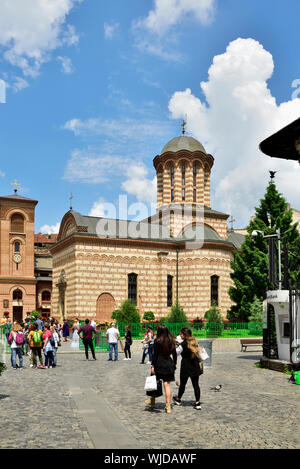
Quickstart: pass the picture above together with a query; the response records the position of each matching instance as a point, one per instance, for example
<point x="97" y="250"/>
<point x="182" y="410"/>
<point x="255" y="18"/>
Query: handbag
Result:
<point x="151" y="383"/>
<point x="203" y="355"/>
<point x="158" y="392"/>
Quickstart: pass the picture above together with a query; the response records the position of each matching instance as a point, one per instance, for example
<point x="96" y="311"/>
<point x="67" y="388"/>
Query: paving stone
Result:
<point x="257" y="408"/>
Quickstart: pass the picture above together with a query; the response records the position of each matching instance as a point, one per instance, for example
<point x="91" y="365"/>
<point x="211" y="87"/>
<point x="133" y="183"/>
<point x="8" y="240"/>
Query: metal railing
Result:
<point x="199" y="330"/>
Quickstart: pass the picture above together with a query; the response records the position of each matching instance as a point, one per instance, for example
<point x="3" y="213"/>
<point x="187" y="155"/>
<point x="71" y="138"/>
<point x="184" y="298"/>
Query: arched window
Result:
<point x="169" y="290"/>
<point x="46" y="296"/>
<point x="172" y="182"/>
<point x="183" y="175"/>
<point x="172" y="175"/>
<point x="194" y="182"/>
<point x="214" y="290"/>
<point x="17" y="246"/>
<point x="17" y="294"/>
<point x="195" y="174"/>
<point x="17" y="223"/>
<point x="132" y="287"/>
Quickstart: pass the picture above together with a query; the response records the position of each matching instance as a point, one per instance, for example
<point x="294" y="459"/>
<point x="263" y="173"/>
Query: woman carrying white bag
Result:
<point x="192" y="356"/>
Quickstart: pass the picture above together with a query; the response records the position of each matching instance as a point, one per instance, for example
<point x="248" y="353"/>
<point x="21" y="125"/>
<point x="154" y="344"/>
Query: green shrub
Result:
<point x="149" y="316"/>
<point x="176" y="314"/>
<point x="213" y="315"/>
<point x="35" y="315"/>
<point x="163" y="320"/>
<point x="127" y="313"/>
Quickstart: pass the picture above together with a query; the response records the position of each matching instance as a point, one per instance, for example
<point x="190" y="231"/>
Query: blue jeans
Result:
<point x="150" y="352"/>
<point x="49" y="358"/>
<point x="54" y="356"/>
<point x="115" y="347"/>
<point x="14" y="352"/>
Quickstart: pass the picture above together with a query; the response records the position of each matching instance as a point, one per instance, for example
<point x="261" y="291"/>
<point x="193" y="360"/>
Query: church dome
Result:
<point x="183" y="143"/>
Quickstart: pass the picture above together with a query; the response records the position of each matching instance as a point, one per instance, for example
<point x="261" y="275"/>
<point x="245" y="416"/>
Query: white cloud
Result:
<point x="110" y="30"/>
<point x="239" y="112"/>
<point x="30" y="30"/>
<point x="50" y="229"/>
<point x="137" y="129"/>
<point x="89" y="166"/>
<point x="168" y="13"/>
<point x="66" y="64"/>
<point x="19" y="84"/>
<point x="156" y="33"/>
<point x="138" y="184"/>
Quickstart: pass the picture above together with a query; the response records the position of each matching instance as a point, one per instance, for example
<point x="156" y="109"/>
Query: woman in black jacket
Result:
<point x="190" y="366"/>
<point x="164" y="361"/>
<point x="128" y="343"/>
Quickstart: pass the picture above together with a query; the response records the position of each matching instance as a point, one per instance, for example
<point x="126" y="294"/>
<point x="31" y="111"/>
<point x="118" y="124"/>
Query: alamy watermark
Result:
<point x="2" y="92"/>
<point x="296" y="84"/>
<point x="170" y="223"/>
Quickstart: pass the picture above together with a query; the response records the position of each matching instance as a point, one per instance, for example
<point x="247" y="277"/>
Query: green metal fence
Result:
<point x="199" y="330"/>
<point x="3" y="340"/>
<point x="100" y="341"/>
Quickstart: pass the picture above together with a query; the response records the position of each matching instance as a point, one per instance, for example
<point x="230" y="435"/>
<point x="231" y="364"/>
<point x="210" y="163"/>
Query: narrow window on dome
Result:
<point x="195" y="195"/>
<point x="172" y="195"/>
<point x="183" y="175"/>
<point x="172" y="175"/>
<point x="195" y="175"/>
<point x="183" y="194"/>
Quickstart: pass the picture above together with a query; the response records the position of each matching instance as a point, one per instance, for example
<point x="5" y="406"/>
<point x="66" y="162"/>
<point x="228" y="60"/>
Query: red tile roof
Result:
<point x="45" y="239"/>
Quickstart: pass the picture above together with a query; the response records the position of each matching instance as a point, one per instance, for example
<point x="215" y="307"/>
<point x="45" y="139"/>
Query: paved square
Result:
<point x="87" y="404"/>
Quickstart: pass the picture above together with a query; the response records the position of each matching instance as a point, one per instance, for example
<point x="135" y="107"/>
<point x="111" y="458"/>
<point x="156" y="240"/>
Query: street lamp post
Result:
<point x="278" y="236"/>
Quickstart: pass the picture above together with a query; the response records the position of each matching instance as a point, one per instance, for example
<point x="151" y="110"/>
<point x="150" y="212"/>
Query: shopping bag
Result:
<point x="158" y="392"/>
<point x="151" y="383"/>
<point x="203" y="354"/>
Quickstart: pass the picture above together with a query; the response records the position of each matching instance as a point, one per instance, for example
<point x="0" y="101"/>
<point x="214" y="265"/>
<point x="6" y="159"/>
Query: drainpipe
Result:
<point x="177" y="249"/>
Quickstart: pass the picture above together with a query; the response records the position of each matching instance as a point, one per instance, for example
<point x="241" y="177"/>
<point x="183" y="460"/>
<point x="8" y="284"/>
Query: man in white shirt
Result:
<point x="93" y="324"/>
<point x="113" y="335"/>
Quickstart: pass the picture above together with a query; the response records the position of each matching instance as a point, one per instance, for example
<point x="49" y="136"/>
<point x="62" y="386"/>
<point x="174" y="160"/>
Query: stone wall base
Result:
<point x="276" y="365"/>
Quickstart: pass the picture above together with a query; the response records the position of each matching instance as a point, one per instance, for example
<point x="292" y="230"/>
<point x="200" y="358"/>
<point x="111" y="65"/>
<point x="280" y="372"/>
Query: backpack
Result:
<point x="36" y="337"/>
<point x="52" y="341"/>
<point x="9" y="340"/>
<point x="19" y="338"/>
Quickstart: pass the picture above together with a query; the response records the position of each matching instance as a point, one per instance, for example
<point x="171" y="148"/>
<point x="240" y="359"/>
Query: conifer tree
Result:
<point x="250" y="267"/>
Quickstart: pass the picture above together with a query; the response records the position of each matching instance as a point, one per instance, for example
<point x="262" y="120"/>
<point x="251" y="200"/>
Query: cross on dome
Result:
<point x="16" y="185"/>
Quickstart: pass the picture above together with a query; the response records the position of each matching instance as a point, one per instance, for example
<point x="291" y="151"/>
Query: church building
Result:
<point x="182" y="252"/>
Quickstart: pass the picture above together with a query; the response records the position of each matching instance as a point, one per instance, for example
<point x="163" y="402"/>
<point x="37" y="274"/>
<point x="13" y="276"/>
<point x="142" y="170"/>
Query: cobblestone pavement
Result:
<point x="257" y="408"/>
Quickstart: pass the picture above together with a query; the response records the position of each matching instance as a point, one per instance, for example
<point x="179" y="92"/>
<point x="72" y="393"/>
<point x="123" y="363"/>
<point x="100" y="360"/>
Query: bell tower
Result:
<point x="17" y="279"/>
<point x="183" y="180"/>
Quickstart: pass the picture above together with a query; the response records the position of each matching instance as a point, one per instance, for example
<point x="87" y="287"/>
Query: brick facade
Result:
<point x="90" y="271"/>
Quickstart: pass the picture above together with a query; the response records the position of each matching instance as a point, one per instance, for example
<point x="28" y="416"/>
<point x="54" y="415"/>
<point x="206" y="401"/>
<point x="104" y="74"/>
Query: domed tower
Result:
<point x="183" y="173"/>
<point x="183" y="181"/>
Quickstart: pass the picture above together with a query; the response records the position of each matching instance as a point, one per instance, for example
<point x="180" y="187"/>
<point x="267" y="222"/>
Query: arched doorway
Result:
<point x="17" y="305"/>
<point x="105" y="307"/>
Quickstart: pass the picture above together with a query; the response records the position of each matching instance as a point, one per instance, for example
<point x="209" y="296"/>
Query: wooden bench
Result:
<point x="249" y="343"/>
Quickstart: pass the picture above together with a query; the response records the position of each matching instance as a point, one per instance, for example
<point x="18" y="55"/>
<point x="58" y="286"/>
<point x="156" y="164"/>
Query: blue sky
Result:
<point x="95" y="89"/>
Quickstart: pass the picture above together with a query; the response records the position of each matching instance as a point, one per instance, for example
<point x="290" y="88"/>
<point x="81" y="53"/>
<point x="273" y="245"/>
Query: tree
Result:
<point x="250" y="267"/>
<point x="256" y="310"/>
<point x="177" y="314"/>
<point x="127" y="313"/>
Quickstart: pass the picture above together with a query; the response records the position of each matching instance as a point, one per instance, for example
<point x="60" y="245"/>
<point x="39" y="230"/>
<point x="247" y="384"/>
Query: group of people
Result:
<point x="162" y="349"/>
<point x="32" y="337"/>
<point x="166" y="349"/>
